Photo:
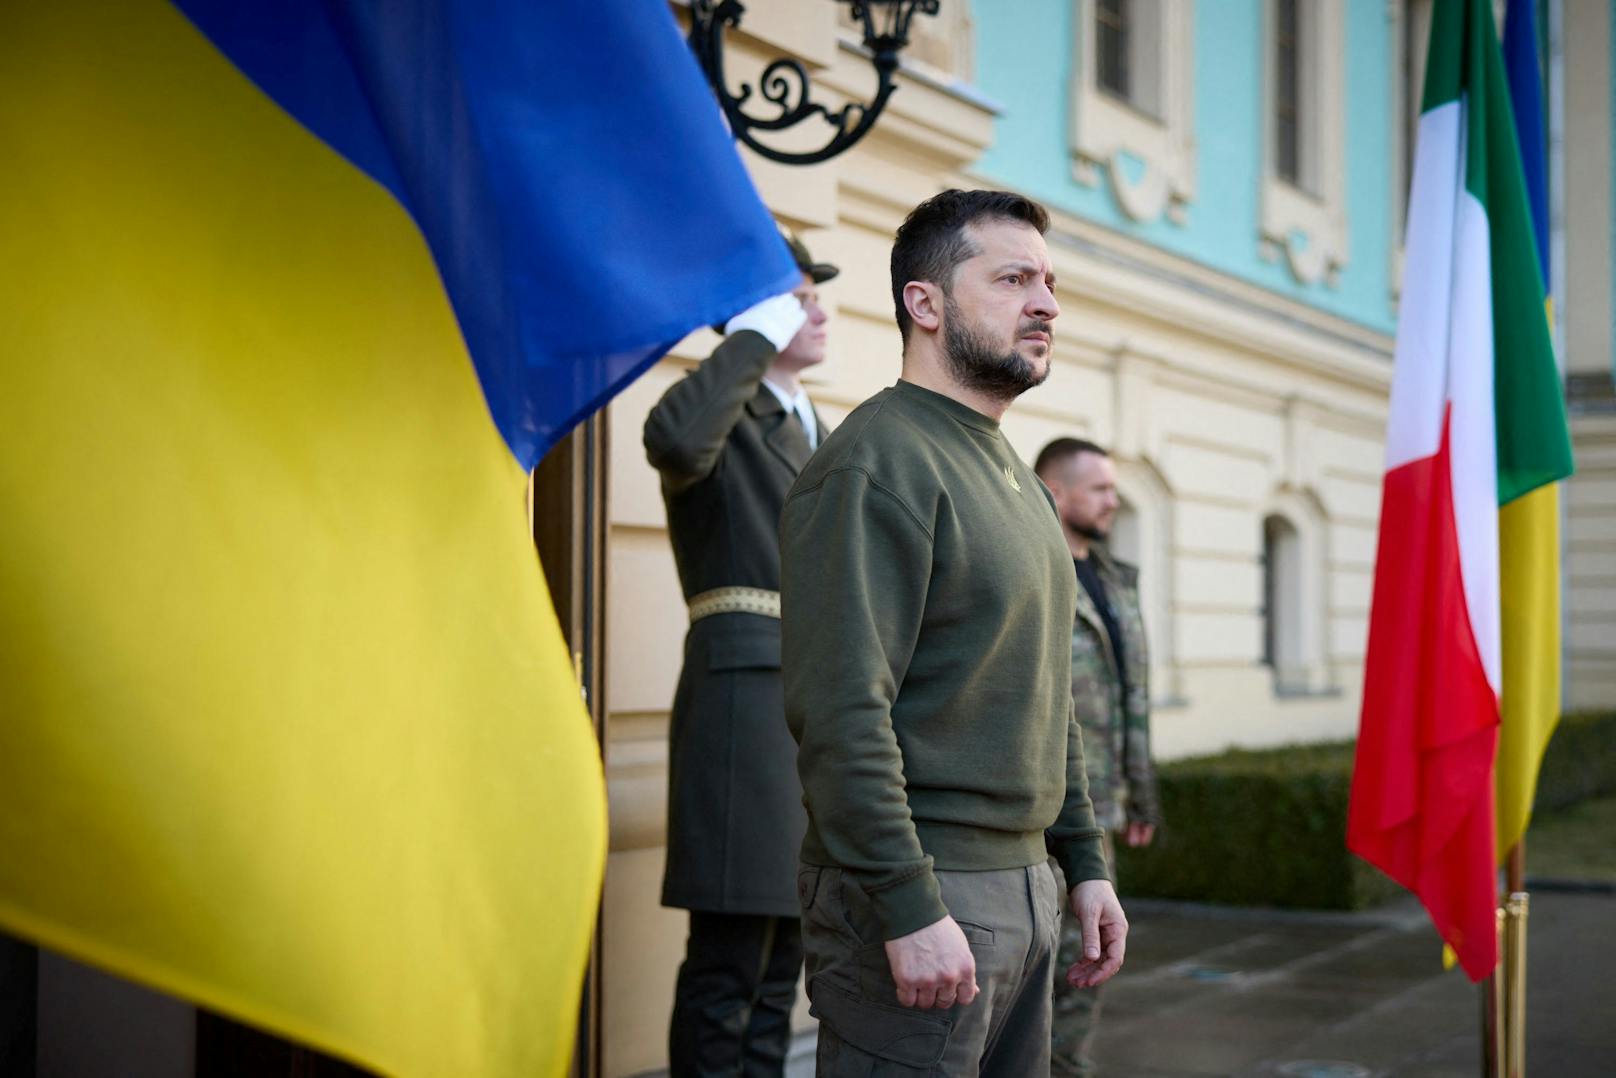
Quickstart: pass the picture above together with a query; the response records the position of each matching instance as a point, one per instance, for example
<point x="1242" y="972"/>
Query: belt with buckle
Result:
<point x="734" y="601"/>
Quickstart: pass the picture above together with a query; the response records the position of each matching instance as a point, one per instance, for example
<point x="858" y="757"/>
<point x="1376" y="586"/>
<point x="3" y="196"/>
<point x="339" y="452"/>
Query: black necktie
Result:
<point x="794" y="436"/>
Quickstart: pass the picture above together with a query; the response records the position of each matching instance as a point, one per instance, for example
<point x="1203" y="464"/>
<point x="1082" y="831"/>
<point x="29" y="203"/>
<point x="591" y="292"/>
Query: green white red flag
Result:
<point x="1476" y="421"/>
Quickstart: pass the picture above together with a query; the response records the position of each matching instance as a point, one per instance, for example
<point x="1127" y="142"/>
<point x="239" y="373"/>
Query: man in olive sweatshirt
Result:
<point x="927" y="608"/>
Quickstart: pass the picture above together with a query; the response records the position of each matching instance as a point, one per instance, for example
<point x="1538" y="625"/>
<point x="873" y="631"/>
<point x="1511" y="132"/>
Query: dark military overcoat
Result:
<point x="728" y="452"/>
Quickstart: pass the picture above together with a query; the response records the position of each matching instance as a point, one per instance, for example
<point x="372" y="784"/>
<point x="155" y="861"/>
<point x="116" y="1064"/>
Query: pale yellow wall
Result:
<point x="1589" y="498"/>
<point x="1590" y="538"/>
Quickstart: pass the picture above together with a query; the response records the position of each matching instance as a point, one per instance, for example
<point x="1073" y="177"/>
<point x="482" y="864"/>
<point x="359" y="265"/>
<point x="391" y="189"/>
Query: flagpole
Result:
<point x="1511" y="974"/>
<point x="1515" y="984"/>
<point x="1493" y="1049"/>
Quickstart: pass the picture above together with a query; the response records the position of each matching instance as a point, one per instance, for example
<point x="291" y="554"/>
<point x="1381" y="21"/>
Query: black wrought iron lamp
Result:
<point x="784" y="84"/>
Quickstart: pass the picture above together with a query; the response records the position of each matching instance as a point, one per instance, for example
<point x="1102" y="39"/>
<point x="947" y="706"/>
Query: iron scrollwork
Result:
<point x="784" y="84"/>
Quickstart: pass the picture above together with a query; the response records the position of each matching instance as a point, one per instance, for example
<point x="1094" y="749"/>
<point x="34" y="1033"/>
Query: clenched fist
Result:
<point x="934" y="967"/>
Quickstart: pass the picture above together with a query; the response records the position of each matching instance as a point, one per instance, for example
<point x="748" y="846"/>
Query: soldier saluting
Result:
<point x="728" y="442"/>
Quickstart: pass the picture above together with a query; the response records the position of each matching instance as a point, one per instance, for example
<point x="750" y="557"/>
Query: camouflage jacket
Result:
<point x="1116" y="732"/>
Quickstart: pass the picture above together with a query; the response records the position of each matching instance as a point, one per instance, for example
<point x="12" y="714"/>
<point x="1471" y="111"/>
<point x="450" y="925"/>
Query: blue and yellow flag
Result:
<point x="287" y="725"/>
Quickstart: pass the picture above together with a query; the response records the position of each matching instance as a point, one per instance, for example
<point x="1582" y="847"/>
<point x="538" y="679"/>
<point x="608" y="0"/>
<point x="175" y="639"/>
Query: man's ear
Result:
<point x="924" y="302"/>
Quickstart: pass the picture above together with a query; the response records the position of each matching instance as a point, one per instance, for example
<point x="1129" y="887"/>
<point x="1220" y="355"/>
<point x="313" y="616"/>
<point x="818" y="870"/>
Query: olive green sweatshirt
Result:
<point x="927" y="601"/>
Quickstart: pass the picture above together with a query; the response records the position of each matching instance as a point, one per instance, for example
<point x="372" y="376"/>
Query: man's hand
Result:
<point x="1105" y="933"/>
<point x="934" y="967"/>
<point x="1139" y="834"/>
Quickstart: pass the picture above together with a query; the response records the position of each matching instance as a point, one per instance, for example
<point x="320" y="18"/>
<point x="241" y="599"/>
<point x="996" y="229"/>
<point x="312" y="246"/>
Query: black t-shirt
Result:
<point x="1089" y="577"/>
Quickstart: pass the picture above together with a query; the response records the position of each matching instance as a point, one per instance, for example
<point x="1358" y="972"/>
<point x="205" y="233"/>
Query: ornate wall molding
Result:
<point x="1145" y="154"/>
<point x="1306" y="225"/>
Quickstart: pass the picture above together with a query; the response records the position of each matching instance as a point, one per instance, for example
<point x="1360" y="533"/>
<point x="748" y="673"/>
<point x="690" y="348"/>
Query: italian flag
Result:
<point x="1477" y="420"/>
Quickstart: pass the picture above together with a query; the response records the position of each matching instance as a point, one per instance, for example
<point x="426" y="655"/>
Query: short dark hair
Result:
<point x="1062" y="450"/>
<point x="931" y="242"/>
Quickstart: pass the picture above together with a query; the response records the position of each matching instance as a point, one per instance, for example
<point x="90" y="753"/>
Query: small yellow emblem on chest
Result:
<point x="1010" y="477"/>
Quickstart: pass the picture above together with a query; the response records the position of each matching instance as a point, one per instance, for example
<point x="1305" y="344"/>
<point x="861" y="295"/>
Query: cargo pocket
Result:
<point x="875" y="968"/>
<point x="877" y="1040"/>
<point x="834" y="909"/>
<point x="807" y="886"/>
<point x="976" y="935"/>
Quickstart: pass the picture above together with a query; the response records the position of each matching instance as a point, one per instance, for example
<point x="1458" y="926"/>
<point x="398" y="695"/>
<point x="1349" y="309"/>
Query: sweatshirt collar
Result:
<point x="960" y="413"/>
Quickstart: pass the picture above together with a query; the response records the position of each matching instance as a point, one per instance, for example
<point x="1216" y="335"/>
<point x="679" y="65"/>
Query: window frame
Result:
<point x="1304" y="224"/>
<point x="1293" y="603"/>
<point x="1287" y="99"/>
<point x="1122" y="89"/>
<point x="1142" y="148"/>
<point x="1410" y="33"/>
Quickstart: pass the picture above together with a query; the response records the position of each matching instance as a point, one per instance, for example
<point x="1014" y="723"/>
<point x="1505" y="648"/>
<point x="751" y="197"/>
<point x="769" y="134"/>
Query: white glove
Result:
<point x="778" y="318"/>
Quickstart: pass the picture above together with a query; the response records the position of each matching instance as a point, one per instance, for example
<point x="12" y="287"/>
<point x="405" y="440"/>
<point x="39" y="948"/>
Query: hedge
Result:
<point x="1255" y="828"/>
<point x="1580" y="763"/>
<point x="1267" y="827"/>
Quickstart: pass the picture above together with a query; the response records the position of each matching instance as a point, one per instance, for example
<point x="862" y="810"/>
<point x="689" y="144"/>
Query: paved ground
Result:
<point x="1254" y="993"/>
<point x="1249" y="993"/>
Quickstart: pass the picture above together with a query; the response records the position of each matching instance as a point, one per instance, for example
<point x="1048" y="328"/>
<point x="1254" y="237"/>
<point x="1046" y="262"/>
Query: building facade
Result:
<point x="1227" y="184"/>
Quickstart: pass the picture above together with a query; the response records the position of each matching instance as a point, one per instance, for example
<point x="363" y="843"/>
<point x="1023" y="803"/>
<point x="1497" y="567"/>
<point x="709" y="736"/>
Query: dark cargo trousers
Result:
<point x="1011" y="918"/>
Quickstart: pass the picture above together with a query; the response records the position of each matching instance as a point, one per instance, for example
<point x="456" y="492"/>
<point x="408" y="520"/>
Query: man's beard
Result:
<point x="977" y="364"/>
<point x="1092" y="532"/>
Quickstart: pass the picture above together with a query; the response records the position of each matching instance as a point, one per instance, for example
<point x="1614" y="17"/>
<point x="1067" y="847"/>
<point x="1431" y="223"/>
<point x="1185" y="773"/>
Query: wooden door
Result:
<point x="568" y="510"/>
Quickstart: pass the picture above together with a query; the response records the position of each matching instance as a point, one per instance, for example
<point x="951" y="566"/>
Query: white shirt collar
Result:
<point x="799" y="404"/>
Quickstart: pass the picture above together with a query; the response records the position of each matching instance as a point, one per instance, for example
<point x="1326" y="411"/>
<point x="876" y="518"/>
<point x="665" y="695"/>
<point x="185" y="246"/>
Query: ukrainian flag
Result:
<point x="291" y="295"/>
<point x="1529" y="526"/>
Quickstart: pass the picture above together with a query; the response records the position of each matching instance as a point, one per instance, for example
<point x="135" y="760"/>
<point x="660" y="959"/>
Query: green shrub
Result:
<point x="1256" y="828"/>
<point x="1580" y="762"/>
<point x="1268" y="827"/>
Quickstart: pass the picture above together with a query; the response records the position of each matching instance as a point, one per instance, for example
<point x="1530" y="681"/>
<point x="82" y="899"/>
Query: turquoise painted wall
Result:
<point x="1024" y="62"/>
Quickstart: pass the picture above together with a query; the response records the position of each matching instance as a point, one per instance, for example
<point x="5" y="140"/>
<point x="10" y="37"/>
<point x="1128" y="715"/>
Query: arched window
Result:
<point x="1126" y="542"/>
<point x="1284" y="644"/>
<point x="1139" y="536"/>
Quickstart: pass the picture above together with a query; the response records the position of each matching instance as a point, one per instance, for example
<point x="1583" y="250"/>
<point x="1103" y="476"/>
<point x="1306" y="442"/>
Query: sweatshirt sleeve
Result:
<point x="685" y="432"/>
<point x="1075" y="840"/>
<point x="855" y="566"/>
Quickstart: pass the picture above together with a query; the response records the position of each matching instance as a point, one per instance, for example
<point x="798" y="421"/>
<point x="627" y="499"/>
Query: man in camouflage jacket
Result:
<point x="1111" y="692"/>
